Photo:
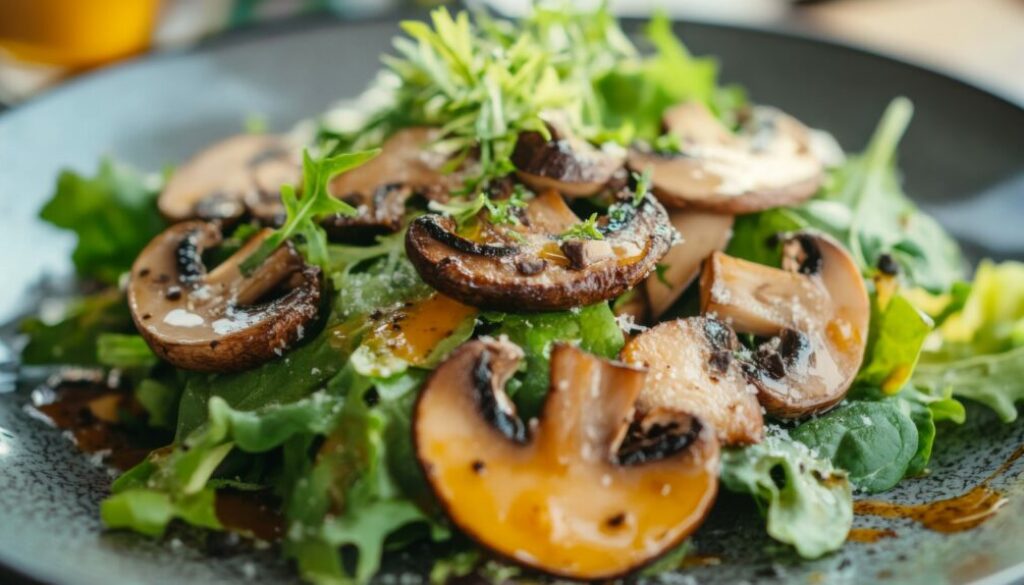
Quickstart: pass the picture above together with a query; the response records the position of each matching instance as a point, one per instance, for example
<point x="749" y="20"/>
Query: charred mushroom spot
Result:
<point x="655" y="441"/>
<point x="616" y="521"/>
<point x="570" y="165"/>
<point x="189" y="258"/>
<point x="800" y="254"/>
<point x="531" y="266"/>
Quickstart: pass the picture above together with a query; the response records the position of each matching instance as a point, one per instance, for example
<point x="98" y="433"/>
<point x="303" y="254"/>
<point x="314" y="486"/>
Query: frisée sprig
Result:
<point x="303" y="214"/>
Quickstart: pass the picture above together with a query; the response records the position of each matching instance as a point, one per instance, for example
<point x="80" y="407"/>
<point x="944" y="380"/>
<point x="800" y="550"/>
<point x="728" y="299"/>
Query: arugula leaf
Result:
<point x="113" y="214"/>
<point x="807" y="502"/>
<point x="74" y="339"/>
<point x="593" y="327"/>
<point x="873" y="441"/>
<point x="351" y="479"/>
<point x="317" y="203"/>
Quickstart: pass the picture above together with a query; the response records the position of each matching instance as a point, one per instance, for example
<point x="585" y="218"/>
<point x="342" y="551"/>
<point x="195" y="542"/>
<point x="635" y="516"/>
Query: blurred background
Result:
<point x="46" y="42"/>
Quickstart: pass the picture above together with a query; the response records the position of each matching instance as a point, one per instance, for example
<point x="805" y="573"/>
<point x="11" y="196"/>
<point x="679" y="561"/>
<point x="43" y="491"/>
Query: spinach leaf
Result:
<point x="873" y="441"/>
<point x="593" y="327"/>
<point x="113" y="214"/>
<point x="808" y="503"/>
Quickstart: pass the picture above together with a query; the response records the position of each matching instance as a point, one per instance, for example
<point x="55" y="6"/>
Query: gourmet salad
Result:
<point x="531" y="301"/>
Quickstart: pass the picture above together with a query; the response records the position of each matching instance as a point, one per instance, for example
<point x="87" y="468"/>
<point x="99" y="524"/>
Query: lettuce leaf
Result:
<point x="807" y="502"/>
<point x="113" y="214"/>
<point x="895" y="338"/>
<point x="995" y="380"/>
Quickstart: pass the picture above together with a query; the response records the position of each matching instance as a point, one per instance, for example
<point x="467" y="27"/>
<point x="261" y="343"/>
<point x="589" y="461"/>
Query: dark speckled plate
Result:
<point x="963" y="159"/>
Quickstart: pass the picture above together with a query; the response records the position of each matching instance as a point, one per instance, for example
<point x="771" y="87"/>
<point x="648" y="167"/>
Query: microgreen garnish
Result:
<point x="584" y="230"/>
<point x="304" y="214"/>
<point x="499" y="211"/>
<point x="643" y="187"/>
<point x="659" y="270"/>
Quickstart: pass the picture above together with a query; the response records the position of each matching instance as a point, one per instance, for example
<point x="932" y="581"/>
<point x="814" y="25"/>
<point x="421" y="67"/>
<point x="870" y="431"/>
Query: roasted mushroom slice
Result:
<point x="222" y="320"/>
<point x="588" y="492"/>
<point x="691" y="368"/>
<point x="570" y="165"/>
<point x="241" y="174"/>
<point x="380" y="188"/>
<point x="770" y="163"/>
<point x="532" y="268"/>
<point x="814" y="312"/>
<point x="702" y="233"/>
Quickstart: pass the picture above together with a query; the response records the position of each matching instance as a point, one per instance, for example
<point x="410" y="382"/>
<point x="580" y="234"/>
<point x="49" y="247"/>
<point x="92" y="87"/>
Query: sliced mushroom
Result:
<point x="702" y="233"/>
<point x="380" y="188"/>
<point x="691" y="368"/>
<point x="814" y="312"/>
<point x="222" y="320"/>
<point x="530" y="267"/>
<point x="586" y="493"/>
<point x="570" y="165"/>
<point x="770" y="163"/>
<point x="241" y="174"/>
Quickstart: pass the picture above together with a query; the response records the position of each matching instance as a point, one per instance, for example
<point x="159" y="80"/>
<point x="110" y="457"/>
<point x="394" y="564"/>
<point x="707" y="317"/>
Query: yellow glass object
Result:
<point x="76" y="33"/>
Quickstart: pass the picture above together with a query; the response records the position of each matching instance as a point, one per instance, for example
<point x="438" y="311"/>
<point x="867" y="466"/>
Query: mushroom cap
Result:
<point x="218" y="321"/>
<point x="240" y="174"/>
<point x="691" y="368"/>
<point x="568" y="164"/>
<point x="771" y="163"/>
<point x="587" y="493"/>
<point x="702" y="233"/>
<point x="380" y="188"/>
<point x="815" y="312"/>
<point x="538" y="271"/>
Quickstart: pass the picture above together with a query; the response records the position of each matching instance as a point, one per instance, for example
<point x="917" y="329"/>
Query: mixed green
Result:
<point x="324" y="429"/>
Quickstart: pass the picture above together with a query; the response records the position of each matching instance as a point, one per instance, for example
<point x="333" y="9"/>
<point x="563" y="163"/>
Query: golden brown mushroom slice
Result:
<point x="770" y="163"/>
<point x="379" y="189"/>
<point x="222" y="320"/>
<point x="237" y="175"/>
<point x="535" y="268"/>
<point x="702" y="233"/>
<point x="691" y="368"/>
<point x="589" y="492"/>
<point x="566" y="163"/>
<point x="814" y="312"/>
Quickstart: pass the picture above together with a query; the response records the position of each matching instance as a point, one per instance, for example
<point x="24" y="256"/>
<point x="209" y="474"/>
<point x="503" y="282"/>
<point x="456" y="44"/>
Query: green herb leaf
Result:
<point x="643" y="187"/>
<point x="74" y="339"/>
<point x="316" y="204"/>
<point x="124" y="351"/>
<point x="807" y="502"/>
<point x="584" y="230"/>
<point x="113" y="214"/>
<point x="896" y="336"/>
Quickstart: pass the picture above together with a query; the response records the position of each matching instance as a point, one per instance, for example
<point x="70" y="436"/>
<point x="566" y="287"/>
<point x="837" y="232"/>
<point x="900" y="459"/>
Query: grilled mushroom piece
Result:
<point x="380" y="188"/>
<point x="239" y="175"/>
<point x="221" y="320"/>
<point x="770" y="163"/>
<point x="531" y="267"/>
<point x="814" y="312"/>
<point x="691" y="368"/>
<point x="587" y="493"/>
<point x="702" y="233"/>
<point x="570" y="165"/>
